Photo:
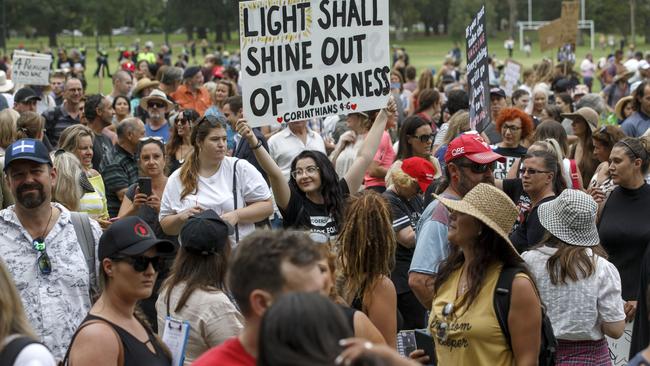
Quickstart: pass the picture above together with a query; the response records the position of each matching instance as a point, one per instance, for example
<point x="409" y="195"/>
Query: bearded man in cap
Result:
<point x="192" y="94"/>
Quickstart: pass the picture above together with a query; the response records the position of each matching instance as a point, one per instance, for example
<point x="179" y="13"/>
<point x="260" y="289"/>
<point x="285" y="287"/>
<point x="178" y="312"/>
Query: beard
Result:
<point x="31" y="199"/>
<point x="465" y="184"/>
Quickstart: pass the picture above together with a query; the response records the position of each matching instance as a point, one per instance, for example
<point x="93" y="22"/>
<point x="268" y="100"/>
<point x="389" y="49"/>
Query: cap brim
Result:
<point x="162" y="245"/>
<point x="485" y="157"/>
<point x="463" y="207"/>
<point x="32" y="158"/>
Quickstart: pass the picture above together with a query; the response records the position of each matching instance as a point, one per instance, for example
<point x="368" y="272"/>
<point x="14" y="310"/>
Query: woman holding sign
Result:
<point x="313" y="197"/>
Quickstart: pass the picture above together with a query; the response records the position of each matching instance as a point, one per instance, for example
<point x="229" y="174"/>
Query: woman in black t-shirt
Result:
<point x="314" y="196"/>
<point x="623" y="226"/>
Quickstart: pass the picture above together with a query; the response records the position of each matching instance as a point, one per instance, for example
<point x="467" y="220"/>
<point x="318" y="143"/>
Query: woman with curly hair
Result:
<point x="515" y="125"/>
<point x="313" y="199"/>
<point x="366" y="255"/>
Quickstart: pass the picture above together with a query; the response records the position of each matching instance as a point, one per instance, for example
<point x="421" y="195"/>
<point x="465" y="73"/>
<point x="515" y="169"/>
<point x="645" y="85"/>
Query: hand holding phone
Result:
<point x="144" y="185"/>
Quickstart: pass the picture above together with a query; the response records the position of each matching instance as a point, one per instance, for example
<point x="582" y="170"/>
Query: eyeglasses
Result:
<point x="531" y="171"/>
<point x="310" y="170"/>
<point x="156" y="105"/>
<point x="443" y="326"/>
<point x="425" y="138"/>
<point x="479" y="168"/>
<point x="140" y="263"/>
<point x="511" y="128"/>
<point x="44" y="263"/>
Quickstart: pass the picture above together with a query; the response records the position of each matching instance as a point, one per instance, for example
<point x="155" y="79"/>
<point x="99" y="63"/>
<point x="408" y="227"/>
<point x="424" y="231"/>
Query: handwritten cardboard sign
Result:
<point x="511" y="74"/>
<point x="303" y="59"/>
<point x="30" y="68"/>
<point x="477" y="72"/>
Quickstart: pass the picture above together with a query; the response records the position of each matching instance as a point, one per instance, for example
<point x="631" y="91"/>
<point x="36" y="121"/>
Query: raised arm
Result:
<point x="279" y="185"/>
<point x="354" y="176"/>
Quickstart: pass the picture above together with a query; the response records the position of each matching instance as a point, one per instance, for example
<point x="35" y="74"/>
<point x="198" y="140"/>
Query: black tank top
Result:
<point x="135" y="352"/>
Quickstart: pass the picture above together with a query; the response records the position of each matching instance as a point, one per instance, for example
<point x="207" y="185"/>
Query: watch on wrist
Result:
<point x="259" y="144"/>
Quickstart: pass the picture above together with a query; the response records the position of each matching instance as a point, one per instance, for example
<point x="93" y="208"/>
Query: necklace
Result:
<point x="182" y="159"/>
<point x="41" y="238"/>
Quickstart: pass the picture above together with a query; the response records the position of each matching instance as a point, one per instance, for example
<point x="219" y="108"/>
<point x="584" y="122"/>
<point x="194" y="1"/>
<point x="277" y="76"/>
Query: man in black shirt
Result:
<point x="67" y="114"/>
<point x="99" y="112"/>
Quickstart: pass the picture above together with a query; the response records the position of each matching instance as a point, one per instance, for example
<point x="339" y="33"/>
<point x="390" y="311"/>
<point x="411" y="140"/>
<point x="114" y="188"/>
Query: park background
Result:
<point x="426" y="29"/>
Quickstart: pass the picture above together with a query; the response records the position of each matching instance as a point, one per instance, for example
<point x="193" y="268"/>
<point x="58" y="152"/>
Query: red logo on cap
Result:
<point x="141" y="230"/>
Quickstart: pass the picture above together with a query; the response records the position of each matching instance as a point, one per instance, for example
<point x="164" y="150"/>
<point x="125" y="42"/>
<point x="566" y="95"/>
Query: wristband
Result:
<point x="259" y="144"/>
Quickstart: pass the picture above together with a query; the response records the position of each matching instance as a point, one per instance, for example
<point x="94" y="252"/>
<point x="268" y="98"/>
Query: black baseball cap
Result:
<point x="205" y="233"/>
<point x="24" y="95"/>
<point x="27" y="149"/>
<point x="130" y="236"/>
<point x="191" y="71"/>
<point x="497" y="91"/>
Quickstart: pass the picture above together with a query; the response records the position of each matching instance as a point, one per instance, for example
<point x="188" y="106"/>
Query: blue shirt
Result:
<point x="636" y="124"/>
<point x="162" y="132"/>
<point x="431" y="244"/>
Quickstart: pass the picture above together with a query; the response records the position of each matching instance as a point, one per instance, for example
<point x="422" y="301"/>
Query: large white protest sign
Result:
<point x="303" y="59"/>
<point x="31" y="68"/>
<point x="511" y="75"/>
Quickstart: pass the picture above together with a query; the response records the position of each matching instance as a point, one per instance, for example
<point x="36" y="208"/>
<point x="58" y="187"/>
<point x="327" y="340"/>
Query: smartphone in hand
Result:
<point x="144" y="185"/>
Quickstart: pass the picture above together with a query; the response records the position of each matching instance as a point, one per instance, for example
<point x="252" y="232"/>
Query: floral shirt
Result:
<point x="56" y="303"/>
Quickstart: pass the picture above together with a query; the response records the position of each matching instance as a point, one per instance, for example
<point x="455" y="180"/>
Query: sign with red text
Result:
<point x="477" y="72"/>
<point x="302" y="59"/>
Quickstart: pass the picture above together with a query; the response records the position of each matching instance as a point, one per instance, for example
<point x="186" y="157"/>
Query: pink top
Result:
<point x="385" y="156"/>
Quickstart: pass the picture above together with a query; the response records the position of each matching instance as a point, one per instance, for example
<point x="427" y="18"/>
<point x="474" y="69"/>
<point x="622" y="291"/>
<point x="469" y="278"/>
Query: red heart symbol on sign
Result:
<point x="354" y="107"/>
<point x="279" y="119"/>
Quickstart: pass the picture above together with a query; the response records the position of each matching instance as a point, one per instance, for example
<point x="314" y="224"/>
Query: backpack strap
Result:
<point x="574" y="174"/>
<point x="234" y="196"/>
<point x="501" y="298"/>
<point x="84" y="231"/>
<point x="120" y="354"/>
<point x="12" y="349"/>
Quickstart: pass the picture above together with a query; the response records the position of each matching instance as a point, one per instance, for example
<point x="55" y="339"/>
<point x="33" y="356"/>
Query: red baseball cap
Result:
<point x="472" y="146"/>
<point x="420" y="169"/>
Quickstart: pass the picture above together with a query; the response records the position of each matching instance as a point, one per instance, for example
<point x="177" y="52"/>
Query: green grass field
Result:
<point x="423" y="51"/>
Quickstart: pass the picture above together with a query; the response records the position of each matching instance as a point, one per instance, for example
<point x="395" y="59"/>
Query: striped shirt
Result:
<point x="118" y="175"/>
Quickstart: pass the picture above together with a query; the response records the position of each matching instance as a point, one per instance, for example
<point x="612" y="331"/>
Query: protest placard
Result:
<point x="303" y="59"/>
<point x="563" y="30"/>
<point x="477" y="72"/>
<point x="511" y="74"/>
<point x="30" y="68"/>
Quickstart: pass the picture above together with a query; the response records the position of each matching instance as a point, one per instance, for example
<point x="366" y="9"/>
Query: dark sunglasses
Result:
<point x="531" y="171"/>
<point x="479" y="168"/>
<point x="156" y="105"/>
<point x="44" y="263"/>
<point x="140" y="263"/>
<point x="213" y="121"/>
<point x="181" y="121"/>
<point x="425" y="138"/>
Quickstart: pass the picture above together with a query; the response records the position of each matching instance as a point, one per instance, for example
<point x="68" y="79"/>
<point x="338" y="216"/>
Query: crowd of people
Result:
<point x="521" y="240"/>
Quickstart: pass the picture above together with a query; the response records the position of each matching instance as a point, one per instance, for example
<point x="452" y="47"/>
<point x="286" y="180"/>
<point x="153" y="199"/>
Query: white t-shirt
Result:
<point x="578" y="309"/>
<point x="215" y="192"/>
<point x="284" y="146"/>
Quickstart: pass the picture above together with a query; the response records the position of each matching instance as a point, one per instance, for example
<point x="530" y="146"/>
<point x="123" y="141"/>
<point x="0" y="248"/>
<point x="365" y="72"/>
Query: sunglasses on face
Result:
<point x="530" y="171"/>
<point x="182" y="122"/>
<point x="424" y="138"/>
<point x="479" y="168"/>
<point x="156" y="105"/>
<point x="44" y="263"/>
<point x="140" y="263"/>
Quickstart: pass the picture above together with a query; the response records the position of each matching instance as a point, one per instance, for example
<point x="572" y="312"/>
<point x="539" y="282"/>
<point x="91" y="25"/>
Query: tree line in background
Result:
<point x="199" y="18"/>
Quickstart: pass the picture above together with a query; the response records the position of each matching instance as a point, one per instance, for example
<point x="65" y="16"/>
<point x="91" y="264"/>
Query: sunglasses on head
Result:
<point x="140" y="263"/>
<point x="478" y="168"/>
<point x="212" y="120"/>
<point x="44" y="263"/>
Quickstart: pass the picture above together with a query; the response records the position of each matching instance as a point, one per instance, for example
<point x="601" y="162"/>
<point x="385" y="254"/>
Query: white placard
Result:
<point x="175" y="335"/>
<point x="619" y="349"/>
<point x="511" y="74"/>
<point x="30" y="68"/>
<point x="303" y="59"/>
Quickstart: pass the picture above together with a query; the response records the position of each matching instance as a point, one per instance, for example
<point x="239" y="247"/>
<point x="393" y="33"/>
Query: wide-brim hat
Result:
<point x="143" y="84"/>
<point x="5" y="84"/>
<point x="624" y="75"/>
<point x="489" y="205"/>
<point x="571" y="217"/>
<point x="158" y="95"/>
<point x="618" y="110"/>
<point x="588" y="114"/>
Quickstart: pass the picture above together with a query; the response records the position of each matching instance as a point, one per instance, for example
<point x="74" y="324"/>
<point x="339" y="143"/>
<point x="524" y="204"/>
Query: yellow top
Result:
<point x="94" y="203"/>
<point x="474" y="336"/>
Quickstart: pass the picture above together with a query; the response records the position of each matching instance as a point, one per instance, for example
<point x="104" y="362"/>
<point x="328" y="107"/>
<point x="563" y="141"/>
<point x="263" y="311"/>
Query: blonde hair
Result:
<point x="456" y="123"/>
<point x="69" y="139"/>
<point x="12" y="314"/>
<point x="8" y="118"/>
<point x="401" y="179"/>
<point x="67" y="190"/>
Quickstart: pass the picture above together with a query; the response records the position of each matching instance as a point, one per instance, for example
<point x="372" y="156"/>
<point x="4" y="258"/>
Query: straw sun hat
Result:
<point x="489" y="205"/>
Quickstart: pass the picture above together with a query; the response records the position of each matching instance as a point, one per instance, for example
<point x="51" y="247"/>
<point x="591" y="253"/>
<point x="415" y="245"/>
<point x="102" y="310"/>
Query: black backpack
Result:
<point x="11" y="351"/>
<point x="502" y="307"/>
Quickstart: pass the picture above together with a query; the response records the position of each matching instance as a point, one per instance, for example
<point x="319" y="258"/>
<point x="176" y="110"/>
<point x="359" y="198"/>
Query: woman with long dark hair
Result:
<point x="209" y="179"/>
<point x="463" y="322"/>
<point x="179" y="146"/>
<point x="581" y="289"/>
<point x="584" y="121"/>
<point x="195" y="290"/>
<point x="313" y="199"/>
